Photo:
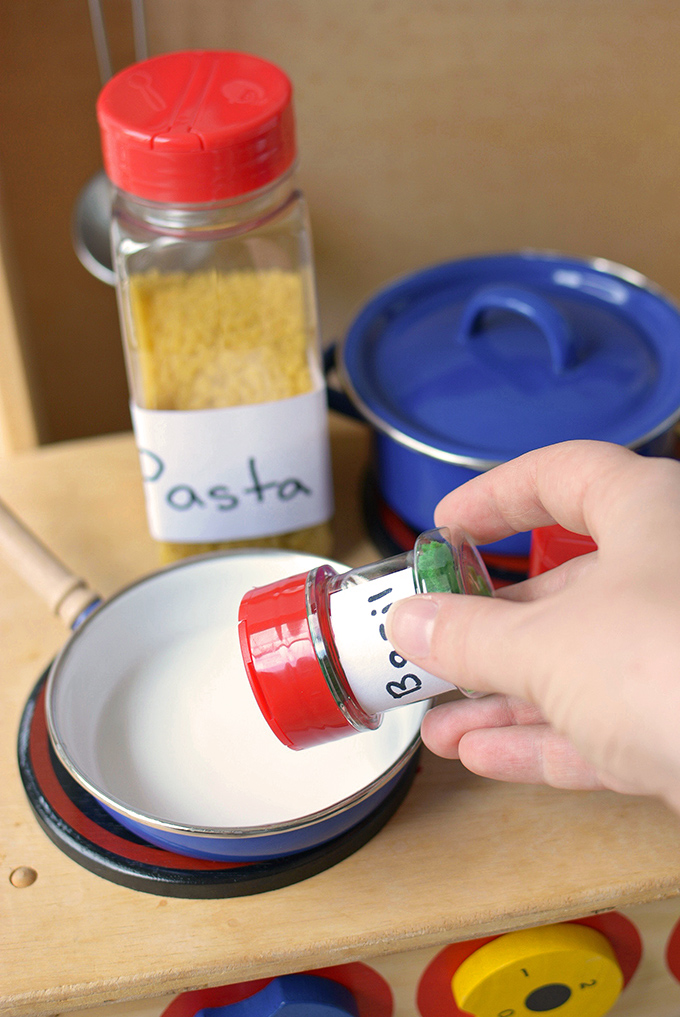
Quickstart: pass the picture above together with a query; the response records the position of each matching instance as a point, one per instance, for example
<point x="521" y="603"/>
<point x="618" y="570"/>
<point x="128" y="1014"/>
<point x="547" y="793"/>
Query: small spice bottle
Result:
<point x="315" y="647"/>
<point x="216" y="293"/>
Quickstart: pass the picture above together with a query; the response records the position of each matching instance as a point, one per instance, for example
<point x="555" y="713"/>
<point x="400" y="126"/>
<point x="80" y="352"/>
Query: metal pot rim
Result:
<point x="442" y="455"/>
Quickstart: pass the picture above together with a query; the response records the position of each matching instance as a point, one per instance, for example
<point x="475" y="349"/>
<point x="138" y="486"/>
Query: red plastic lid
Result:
<point x="197" y="126"/>
<point x="282" y="667"/>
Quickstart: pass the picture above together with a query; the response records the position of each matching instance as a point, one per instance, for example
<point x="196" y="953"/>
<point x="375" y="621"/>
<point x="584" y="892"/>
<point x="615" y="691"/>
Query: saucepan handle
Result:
<point x="527" y="304"/>
<point x="292" y="996"/>
<point x="67" y="595"/>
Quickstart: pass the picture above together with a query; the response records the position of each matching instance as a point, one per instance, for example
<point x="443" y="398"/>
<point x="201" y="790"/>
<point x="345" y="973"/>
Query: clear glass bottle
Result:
<point x="315" y="647"/>
<point x="215" y="282"/>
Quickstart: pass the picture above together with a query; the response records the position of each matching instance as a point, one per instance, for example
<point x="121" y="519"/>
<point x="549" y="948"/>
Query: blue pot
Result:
<point x="471" y="363"/>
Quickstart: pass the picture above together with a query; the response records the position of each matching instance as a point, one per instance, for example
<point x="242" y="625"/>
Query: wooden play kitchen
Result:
<point x="410" y="887"/>
<point x="462" y="860"/>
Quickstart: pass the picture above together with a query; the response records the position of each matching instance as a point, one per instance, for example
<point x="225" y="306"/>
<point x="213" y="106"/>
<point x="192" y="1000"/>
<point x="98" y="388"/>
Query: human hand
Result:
<point x="584" y="660"/>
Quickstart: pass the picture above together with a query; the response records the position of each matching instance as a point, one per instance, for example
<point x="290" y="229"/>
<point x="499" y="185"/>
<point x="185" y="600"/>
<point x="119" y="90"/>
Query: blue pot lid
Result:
<point x="478" y="361"/>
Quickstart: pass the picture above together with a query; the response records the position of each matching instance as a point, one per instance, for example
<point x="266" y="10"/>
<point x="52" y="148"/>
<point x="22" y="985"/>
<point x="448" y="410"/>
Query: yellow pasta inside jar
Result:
<point x="211" y="339"/>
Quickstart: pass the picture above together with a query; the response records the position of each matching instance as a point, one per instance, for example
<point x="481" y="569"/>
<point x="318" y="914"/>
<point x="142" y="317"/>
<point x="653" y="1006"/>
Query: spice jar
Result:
<point x="315" y="648"/>
<point x="215" y="283"/>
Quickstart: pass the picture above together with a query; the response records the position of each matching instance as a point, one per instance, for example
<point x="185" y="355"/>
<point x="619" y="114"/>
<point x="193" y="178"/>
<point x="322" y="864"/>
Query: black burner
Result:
<point x="83" y="830"/>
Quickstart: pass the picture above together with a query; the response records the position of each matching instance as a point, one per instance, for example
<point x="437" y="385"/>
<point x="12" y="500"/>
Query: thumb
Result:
<point x="473" y="642"/>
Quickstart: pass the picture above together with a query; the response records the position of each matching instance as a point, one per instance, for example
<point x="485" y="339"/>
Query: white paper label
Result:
<point x="235" y="473"/>
<point x="378" y="676"/>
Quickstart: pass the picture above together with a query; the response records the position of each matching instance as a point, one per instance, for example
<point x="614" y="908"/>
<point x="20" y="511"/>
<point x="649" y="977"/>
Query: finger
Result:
<point x="550" y="582"/>
<point x="542" y="487"/>
<point x="479" y="643"/>
<point x="527" y="755"/>
<point x="444" y="725"/>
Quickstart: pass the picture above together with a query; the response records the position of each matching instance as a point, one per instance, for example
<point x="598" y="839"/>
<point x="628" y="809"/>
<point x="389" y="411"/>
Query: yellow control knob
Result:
<point x="570" y="970"/>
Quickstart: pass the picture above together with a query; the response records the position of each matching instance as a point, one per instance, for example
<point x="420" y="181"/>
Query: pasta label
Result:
<point x="235" y="473"/>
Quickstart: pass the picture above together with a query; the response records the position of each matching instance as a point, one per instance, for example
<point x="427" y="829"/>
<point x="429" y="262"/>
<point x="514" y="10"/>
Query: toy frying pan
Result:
<point x="149" y="709"/>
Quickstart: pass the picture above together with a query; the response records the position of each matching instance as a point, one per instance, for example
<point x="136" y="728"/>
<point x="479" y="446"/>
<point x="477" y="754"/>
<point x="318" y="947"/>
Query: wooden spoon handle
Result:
<point x="66" y="594"/>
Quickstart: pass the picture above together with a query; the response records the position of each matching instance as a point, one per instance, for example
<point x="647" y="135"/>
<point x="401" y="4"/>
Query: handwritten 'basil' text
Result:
<point x="407" y="683"/>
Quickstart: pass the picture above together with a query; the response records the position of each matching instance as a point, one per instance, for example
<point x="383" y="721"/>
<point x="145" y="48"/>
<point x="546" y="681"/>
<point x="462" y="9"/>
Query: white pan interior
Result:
<point x="150" y="707"/>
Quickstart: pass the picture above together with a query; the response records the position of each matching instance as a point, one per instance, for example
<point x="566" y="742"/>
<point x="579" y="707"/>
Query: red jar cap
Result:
<point x="282" y="667"/>
<point x="197" y="126"/>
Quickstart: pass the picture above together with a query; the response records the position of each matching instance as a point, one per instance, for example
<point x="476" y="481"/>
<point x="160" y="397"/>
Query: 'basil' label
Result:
<point x="379" y="677"/>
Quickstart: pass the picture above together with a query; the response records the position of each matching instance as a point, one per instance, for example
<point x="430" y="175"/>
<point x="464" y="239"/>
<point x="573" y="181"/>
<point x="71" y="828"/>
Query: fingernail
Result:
<point x="410" y="624"/>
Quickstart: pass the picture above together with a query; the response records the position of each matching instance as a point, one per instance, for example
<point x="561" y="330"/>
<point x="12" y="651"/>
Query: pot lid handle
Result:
<point x="544" y="315"/>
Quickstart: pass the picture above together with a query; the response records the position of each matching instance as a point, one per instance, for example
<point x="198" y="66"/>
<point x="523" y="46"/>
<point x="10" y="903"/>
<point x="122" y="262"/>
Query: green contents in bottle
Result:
<point x="475" y="578"/>
<point x="435" y="568"/>
<point x="441" y="567"/>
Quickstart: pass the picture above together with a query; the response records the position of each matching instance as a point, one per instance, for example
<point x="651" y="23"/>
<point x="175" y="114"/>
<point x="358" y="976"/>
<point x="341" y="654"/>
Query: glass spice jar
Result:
<point x="315" y="647"/>
<point x="216" y="292"/>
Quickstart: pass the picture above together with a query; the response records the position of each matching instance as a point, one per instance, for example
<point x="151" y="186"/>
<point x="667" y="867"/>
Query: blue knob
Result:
<point x="292" y="996"/>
